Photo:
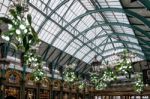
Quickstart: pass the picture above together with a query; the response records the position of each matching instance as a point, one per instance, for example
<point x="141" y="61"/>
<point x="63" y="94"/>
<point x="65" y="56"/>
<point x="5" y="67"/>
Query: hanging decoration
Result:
<point x="32" y="60"/>
<point x="69" y="73"/>
<point x="101" y="85"/>
<point x="38" y="75"/>
<point x="22" y="36"/>
<point x="103" y="79"/>
<point x="97" y="81"/>
<point x="82" y="84"/>
<point x="138" y="84"/>
<point x="124" y="67"/>
<point x="109" y="75"/>
<point x="94" y="78"/>
<point x="35" y="62"/>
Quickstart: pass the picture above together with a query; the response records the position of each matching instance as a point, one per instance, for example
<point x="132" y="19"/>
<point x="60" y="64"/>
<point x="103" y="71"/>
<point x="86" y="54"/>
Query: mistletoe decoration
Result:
<point x="32" y="59"/>
<point x="38" y="75"/>
<point x="35" y="62"/>
<point x="101" y="85"/>
<point x="94" y="77"/>
<point x="124" y="67"/>
<point x="82" y="84"/>
<point x="98" y="82"/>
<point x="69" y="74"/>
<point x="20" y="32"/>
<point x="138" y="84"/>
<point x="101" y="81"/>
<point x="22" y="36"/>
<point x="108" y="75"/>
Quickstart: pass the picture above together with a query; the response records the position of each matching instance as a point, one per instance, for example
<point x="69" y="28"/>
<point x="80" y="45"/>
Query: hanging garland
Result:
<point x="82" y="84"/>
<point x="101" y="85"/>
<point x="101" y="81"/>
<point x="38" y="75"/>
<point x="22" y="36"/>
<point x="32" y="59"/>
<point x="20" y="32"/>
<point x="124" y="67"/>
<point x="94" y="78"/>
<point x="97" y="81"/>
<point x="69" y="74"/>
<point x="138" y="84"/>
<point x="109" y="75"/>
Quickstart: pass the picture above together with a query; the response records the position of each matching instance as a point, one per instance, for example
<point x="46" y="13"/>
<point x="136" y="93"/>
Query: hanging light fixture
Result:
<point x="96" y="65"/>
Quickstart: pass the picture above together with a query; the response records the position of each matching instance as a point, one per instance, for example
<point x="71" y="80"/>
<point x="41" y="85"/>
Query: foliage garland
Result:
<point x="20" y="32"/>
<point x="124" y="67"/>
<point x="69" y="74"/>
<point x="138" y="84"/>
<point x="101" y="81"/>
<point x="22" y="36"/>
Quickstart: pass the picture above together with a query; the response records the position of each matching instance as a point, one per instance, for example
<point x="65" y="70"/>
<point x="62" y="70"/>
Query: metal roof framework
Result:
<point x="73" y="31"/>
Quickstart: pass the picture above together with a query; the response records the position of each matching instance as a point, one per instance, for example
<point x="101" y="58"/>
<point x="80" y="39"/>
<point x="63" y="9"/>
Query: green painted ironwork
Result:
<point x="91" y="51"/>
<point x="50" y="54"/>
<point x="126" y="42"/>
<point x="62" y="58"/>
<point x="131" y="13"/>
<point x="115" y="10"/>
<point x="54" y="10"/>
<point x="97" y="5"/>
<point x="116" y="24"/>
<point x="130" y="48"/>
<point x="115" y="34"/>
<point x="146" y="3"/>
<point x="45" y="52"/>
<point x="110" y="9"/>
<point x="56" y="23"/>
<point x="126" y="11"/>
<point x="69" y="59"/>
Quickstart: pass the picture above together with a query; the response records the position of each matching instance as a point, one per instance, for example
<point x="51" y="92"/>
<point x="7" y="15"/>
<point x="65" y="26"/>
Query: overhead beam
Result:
<point x="108" y="50"/>
<point x="126" y="11"/>
<point x="115" y="24"/>
<point x="91" y="51"/>
<point x="52" y="12"/>
<point x="146" y="3"/>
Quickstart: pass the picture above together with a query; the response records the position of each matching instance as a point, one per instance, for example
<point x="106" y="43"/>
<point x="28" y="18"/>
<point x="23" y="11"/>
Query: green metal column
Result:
<point x="61" y="91"/>
<point x="22" y="83"/>
<point x="52" y="78"/>
<point x="38" y="90"/>
<point x="51" y="90"/>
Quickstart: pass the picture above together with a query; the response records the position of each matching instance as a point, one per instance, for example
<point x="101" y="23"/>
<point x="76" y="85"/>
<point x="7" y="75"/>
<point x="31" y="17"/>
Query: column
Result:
<point x="22" y="83"/>
<point x="22" y="89"/>
<point x="61" y="91"/>
<point x="38" y="90"/>
<point x="52" y="65"/>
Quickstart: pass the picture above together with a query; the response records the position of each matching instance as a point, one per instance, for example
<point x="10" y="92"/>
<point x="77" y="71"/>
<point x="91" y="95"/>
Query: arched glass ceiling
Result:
<point x="51" y="19"/>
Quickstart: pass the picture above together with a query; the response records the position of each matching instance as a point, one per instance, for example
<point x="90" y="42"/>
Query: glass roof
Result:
<point x="86" y="36"/>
